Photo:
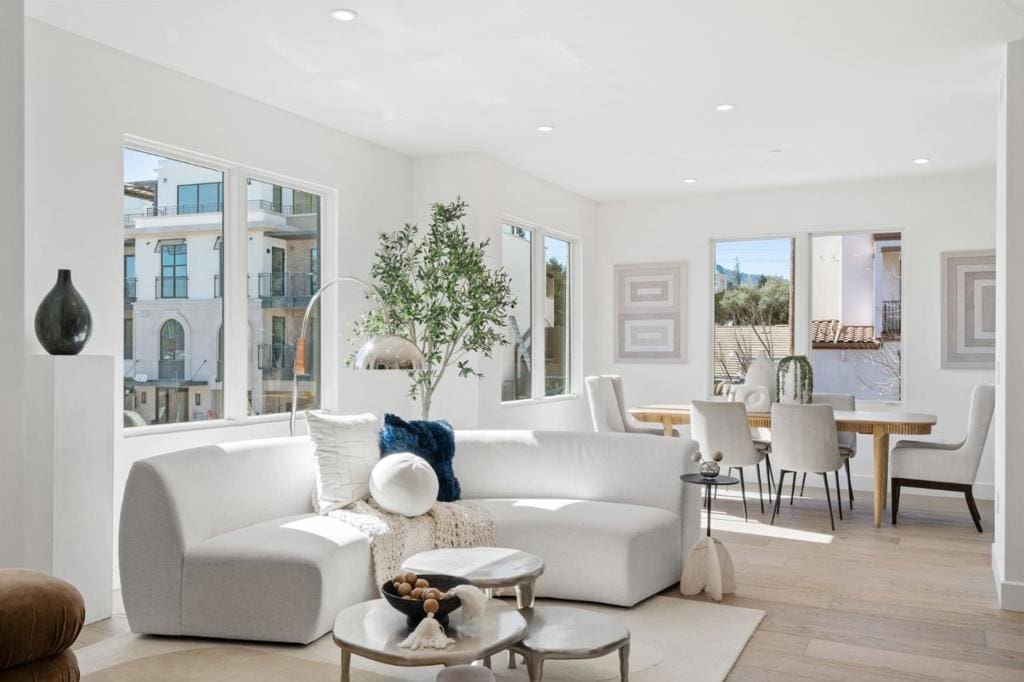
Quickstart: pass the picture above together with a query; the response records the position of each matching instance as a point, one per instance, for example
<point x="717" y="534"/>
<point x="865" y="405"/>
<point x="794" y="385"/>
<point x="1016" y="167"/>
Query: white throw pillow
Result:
<point x="345" y="449"/>
<point x="404" y="483"/>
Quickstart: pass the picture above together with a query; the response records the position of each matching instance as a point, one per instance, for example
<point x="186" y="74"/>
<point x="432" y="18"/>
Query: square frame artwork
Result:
<point x="650" y="312"/>
<point x="968" y="309"/>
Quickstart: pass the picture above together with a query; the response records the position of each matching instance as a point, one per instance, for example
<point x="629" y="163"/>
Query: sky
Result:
<point x="139" y="165"/>
<point x="756" y="256"/>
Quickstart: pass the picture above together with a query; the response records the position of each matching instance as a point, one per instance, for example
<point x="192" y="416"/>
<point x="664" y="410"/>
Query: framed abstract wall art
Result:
<point x="968" y="309"/>
<point x="650" y="312"/>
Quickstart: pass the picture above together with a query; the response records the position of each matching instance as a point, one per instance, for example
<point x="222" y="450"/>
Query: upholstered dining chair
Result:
<point x="804" y="439"/>
<point x="945" y="466"/>
<point x="847" y="439"/>
<point x="608" y="407"/>
<point x="722" y="427"/>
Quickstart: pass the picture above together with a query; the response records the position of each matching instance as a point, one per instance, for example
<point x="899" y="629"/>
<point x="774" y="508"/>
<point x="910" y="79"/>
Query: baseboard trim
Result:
<point x="982" y="491"/>
<point x="1009" y="592"/>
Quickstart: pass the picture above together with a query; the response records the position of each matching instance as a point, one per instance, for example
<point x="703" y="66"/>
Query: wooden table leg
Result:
<point x="666" y="425"/>
<point x="881" y="472"/>
<point x="346" y="662"/>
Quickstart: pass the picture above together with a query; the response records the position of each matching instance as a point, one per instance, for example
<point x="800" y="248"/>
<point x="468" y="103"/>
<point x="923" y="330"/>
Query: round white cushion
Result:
<point x="403" y="483"/>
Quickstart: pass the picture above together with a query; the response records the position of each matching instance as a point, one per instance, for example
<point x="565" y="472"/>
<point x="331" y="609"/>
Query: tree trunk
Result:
<point x="425" y="398"/>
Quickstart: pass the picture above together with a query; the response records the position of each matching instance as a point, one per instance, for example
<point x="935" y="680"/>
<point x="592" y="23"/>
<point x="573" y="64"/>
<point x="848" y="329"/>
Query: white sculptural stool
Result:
<point x="708" y="568"/>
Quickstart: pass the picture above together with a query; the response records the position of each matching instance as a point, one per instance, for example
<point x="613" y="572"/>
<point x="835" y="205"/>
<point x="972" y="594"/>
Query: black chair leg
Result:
<point x="969" y="495"/>
<point x="743" y="493"/>
<point x="771" y="475"/>
<point x="839" y="496"/>
<point x="895" y="499"/>
<point x="760" y="490"/>
<point x="828" y="498"/>
<point x="778" y="494"/>
<point x="792" y="491"/>
<point x="849" y="482"/>
<point x="803" y="482"/>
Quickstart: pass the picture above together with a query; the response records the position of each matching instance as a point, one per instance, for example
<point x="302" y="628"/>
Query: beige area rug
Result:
<point x="672" y="639"/>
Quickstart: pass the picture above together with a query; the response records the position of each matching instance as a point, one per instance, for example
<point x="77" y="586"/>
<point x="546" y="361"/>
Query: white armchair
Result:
<point x="946" y="466"/>
<point x="719" y="426"/>
<point x="608" y="407"/>
<point x="804" y="439"/>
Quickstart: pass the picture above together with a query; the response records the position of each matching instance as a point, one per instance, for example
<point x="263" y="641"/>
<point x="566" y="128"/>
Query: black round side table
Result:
<point x="697" y="479"/>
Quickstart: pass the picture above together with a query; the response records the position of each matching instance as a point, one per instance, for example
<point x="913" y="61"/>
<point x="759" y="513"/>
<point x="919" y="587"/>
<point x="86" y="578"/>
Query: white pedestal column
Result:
<point x="69" y="499"/>
<point x="1008" y="428"/>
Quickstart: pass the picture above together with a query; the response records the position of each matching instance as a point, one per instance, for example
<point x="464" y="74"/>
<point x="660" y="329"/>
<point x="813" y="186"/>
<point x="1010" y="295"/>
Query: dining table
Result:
<point x="879" y="424"/>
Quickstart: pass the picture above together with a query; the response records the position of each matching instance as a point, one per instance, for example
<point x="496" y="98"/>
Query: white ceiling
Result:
<point x="844" y="88"/>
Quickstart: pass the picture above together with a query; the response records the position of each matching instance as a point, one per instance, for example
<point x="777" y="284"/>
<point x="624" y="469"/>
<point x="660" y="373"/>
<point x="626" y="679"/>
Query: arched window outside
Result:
<point x="172" y="350"/>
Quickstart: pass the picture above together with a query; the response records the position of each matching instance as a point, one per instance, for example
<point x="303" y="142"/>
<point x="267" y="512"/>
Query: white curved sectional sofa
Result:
<point x="221" y="541"/>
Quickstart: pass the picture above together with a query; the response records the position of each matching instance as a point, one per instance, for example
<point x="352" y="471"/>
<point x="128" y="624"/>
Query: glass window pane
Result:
<point x="856" y="313"/>
<point x="171" y="316"/>
<point x="209" y="197"/>
<point x="516" y="360"/>
<point x="556" y="317"/>
<point x="284" y="259"/>
<point x="753" y="305"/>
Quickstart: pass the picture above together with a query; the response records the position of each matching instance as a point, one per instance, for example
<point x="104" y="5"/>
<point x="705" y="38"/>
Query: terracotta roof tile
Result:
<point x="831" y="334"/>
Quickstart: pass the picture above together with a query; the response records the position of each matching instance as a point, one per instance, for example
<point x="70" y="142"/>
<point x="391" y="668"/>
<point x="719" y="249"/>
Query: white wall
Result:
<point x="12" y="274"/>
<point x="495" y="192"/>
<point x="1008" y="548"/>
<point x="940" y="213"/>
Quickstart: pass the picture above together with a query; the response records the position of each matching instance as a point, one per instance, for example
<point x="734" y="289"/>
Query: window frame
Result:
<point x="234" y="200"/>
<point x="538" y="290"/>
<point x="802" y="294"/>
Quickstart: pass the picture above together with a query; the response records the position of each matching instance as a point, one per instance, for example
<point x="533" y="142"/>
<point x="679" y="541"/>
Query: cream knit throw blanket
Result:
<point x="394" y="538"/>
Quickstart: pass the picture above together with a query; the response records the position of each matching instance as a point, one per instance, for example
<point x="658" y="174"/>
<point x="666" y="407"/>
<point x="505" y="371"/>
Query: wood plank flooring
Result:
<point x="910" y="602"/>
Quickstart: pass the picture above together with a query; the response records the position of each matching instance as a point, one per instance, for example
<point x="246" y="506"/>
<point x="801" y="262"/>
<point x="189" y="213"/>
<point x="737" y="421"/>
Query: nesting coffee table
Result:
<point x="562" y="632"/>
<point x="485" y="567"/>
<point x="373" y="629"/>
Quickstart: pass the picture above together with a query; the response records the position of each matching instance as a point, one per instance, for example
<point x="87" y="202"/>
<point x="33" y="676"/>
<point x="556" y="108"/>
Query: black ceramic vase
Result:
<point x="63" y="320"/>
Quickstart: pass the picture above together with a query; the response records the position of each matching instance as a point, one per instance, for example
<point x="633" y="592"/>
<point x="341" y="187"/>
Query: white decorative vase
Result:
<point x="762" y="373"/>
<point x="755" y="398"/>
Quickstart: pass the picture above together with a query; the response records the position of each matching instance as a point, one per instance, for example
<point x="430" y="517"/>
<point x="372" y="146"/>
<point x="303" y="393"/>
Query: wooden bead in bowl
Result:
<point x="422" y="582"/>
<point x="410" y="578"/>
<point x="404" y="589"/>
<point x="417" y="593"/>
<point x="431" y="606"/>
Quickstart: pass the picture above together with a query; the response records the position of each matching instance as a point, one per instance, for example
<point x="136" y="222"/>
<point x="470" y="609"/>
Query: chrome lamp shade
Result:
<point x="389" y="352"/>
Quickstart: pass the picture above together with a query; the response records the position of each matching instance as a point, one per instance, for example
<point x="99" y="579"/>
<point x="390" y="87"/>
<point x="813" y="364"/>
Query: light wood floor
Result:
<point x="910" y="602"/>
<point x="907" y="603"/>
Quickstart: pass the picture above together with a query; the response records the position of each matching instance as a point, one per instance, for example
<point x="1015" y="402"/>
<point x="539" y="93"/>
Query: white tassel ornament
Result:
<point x="474" y="601"/>
<point x="429" y="634"/>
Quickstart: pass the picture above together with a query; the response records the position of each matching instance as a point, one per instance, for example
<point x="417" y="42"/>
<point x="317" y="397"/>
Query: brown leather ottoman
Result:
<point x="40" y="618"/>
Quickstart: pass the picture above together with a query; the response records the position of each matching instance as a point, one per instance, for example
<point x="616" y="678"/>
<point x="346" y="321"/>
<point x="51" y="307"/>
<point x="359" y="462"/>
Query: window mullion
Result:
<point x="537" y="314"/>
<point x="236" y="304"/>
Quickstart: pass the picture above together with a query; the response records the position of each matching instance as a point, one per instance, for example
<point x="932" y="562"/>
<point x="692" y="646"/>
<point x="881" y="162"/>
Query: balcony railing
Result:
<point x="217" y="207"/>
<point x="130" y="289"/>
<point x="171" y="287"/>
<point x="277" y="360"/>
<point x="286" y="284"/>
<point x="218" y="286"/>
<point x="892" y="318"/>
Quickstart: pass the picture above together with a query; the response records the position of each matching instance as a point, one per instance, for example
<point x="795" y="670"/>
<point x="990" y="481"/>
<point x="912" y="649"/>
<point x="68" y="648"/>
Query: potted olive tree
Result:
<point x="437" y="291"/>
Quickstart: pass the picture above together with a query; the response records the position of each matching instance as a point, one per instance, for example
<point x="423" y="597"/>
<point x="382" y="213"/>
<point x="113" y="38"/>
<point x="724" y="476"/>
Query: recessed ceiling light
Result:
<point x="921" y="162"/>
<point x="690" y="181"/>
<point x="344" y="14"/>
<point x="776" y="150"/>
<point x="545" y="128"/>
<point x="725" y="107"/>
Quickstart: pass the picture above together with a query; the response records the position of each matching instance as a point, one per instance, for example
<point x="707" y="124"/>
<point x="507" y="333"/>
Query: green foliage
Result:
<point x="764" y="305"/>
<point x="437" y="291"/>
<point x="804" y="378"/>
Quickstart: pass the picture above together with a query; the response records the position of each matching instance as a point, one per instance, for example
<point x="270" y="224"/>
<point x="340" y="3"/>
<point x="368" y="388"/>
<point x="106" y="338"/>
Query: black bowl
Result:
<point x="413" y="608"/>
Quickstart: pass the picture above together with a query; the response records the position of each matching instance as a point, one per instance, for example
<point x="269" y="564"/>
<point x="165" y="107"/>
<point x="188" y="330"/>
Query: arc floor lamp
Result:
<point x="378" y="352"/>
